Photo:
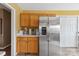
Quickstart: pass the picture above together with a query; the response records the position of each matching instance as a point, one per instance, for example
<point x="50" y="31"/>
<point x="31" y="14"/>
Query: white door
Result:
<point x="68" y="31"/>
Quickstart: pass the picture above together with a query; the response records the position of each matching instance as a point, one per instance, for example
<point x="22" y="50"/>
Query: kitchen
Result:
<point x="47" y="34"/>
<point x="30" y="33"/>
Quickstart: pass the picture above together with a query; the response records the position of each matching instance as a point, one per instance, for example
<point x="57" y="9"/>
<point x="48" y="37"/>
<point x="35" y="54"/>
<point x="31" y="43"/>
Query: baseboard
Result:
<point x="5" y="46"/>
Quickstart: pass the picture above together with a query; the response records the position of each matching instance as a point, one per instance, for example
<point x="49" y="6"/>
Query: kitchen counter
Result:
<point x="27" y="36"/>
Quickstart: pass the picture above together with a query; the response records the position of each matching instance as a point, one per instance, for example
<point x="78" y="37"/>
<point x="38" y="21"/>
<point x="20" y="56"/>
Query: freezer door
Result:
<point x="54" y="25"/>
<point x="54" y="42"/>
<point x="54" y="20"/>
<point x="43" y="19"/>
<point x="43" y="46"/>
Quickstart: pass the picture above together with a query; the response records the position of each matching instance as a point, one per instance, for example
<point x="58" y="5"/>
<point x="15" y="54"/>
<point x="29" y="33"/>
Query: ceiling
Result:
<point x="49" y="6"/>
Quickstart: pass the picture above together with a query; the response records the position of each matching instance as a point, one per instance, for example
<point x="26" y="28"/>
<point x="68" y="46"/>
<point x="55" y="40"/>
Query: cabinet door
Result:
<point x="33" y="44"/>
<point x="34" y="21"/>
<point x="18" y="45"/>
<point x="23" y="45"/>
<point x="24" y="20"/>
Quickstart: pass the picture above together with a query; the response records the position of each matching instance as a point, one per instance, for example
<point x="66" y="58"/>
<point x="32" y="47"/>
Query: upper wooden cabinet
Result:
<point x="29" y="20"/>
<point x="25" y="19"/>
<point x="34" y="21"/>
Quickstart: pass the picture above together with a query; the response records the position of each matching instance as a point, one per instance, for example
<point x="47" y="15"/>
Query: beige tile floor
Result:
<point x="68" y="52"/>
<point x="59" y="51"/>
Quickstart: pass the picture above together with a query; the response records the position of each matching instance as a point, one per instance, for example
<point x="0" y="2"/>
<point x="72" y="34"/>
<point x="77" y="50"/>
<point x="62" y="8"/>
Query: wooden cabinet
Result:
<point x="21" y="45"/>
<point x="24" y="20"/>
<point x="33" y="45"/>
<point x="18" y="45"/>
<point x="27" y="45"/>
<point x="34" y="21"/>
<point x="29" y="20"/>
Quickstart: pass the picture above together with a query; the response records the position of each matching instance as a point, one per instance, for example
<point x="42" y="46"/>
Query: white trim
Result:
<point x="5" y="46"/>
<point x="77" y="32"/>
<point x="13" y="28"/>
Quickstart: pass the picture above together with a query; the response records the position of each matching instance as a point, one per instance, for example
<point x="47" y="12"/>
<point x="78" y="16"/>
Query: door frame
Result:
<point x="13" y="28"/>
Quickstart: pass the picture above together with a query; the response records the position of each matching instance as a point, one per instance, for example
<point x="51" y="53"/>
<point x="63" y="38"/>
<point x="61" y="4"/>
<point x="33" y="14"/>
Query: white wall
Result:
<point x="49" y="6"/>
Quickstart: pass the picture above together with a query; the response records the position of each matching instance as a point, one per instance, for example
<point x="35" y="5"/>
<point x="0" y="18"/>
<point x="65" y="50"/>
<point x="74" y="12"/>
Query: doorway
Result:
<point x="5" y="30"/>
<point x="13" y="27"/>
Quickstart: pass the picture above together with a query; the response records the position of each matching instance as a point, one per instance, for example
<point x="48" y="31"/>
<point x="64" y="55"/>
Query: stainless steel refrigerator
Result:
<point x="49" y="29"/>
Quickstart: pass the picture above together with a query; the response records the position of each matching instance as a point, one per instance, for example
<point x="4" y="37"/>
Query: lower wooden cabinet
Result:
<point x="27" y="45"/>
<point x="33" y="44"/>
<point x="23" y="45"/>
<point x="17" y="45"/>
